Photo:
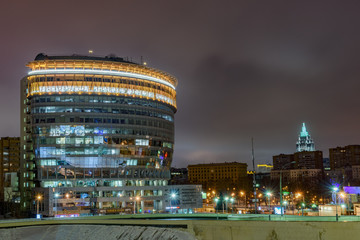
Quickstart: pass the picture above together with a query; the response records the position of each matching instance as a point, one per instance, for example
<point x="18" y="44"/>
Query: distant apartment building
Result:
<point x="9" y="168"/>
<point x="283" y="161"/>
<point x="219" y="176"/>
<point x="345" y="165"/>
<point x="344" y="156"/>
<point x="300" y="166"/>
<point x="356" y="172"/>
<point x="308" y="160"/>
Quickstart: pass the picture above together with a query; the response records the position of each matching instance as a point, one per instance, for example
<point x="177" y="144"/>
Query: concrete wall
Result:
<point x="92" y="228"/>
<point x="224" y="230"/>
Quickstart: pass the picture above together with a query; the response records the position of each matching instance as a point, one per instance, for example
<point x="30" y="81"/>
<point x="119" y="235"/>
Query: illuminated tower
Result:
<point x="96" y="133"/>
<point x="305" y="142"/>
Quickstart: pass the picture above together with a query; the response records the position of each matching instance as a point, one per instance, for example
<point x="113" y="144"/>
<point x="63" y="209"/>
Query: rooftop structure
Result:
<point x="305" y="142"/>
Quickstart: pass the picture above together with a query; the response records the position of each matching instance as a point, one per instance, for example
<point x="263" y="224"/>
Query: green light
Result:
<point x="303" y="132"/>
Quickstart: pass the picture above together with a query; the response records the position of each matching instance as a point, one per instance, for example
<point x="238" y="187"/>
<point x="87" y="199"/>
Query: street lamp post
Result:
<point x="56" y="207"/>
<point x="226" y="200"/>
<point x="38" y="198"/>
<point x="232" y="202"/>
<point x="335" y="189"/>
<point x="302" y="209"/>
<point x="242" y="193"/>
<point x="216" y="202"/>
<point x="285" y="207"/>
<point x="172" y="196"/>
<point x="268" y="194"/>
<point x="135" y="202"/>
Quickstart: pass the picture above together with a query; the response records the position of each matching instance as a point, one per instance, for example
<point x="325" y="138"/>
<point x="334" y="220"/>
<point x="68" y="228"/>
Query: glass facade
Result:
<point x="97" y="130"/>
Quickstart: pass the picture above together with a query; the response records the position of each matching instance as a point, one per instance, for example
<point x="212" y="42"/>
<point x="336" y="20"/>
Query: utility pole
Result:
<point x="281" y="206"/>
<point x="254" y="178"/>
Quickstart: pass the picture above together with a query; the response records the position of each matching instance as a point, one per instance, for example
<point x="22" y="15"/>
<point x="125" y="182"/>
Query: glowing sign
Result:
<point x="277" y="210"/>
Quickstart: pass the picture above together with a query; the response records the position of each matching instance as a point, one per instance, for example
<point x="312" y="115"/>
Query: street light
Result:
<point x="135" y="200"/>
<point x="38" y="198"/>
<point x="56" y="207"/>
<point x="242" y="193"/>
<point x="232" y="202"/>
<point x="226" y="199"/>
<point x="216" y="200"/>
<point x="285" y="202"/>
<point x="335" y="189"/>
<point x="302" y="209"/>
<point x="172" y="196"/>
<point x="268" y="194"/>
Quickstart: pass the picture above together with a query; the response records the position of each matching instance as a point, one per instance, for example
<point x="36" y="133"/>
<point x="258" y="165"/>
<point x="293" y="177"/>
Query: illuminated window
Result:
<point x="142" y="142"/>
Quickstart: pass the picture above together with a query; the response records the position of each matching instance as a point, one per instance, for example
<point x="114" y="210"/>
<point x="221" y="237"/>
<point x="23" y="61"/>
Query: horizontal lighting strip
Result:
<point x="100" y="72"/>
<point x="95" y="89"/>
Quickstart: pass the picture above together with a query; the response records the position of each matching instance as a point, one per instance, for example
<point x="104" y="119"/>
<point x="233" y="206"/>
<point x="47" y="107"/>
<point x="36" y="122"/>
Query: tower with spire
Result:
<point x="305" y="142"/>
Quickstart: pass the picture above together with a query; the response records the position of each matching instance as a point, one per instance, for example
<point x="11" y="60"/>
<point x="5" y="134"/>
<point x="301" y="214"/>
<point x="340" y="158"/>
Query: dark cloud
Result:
<point x="245" y="68"/>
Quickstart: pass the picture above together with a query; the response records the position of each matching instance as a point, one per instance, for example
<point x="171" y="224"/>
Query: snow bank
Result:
<point x="94" y="232"/>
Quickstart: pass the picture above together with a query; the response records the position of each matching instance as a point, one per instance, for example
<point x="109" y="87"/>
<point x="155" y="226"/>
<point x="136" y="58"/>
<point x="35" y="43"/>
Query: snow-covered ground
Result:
<point x="93" y="232"/>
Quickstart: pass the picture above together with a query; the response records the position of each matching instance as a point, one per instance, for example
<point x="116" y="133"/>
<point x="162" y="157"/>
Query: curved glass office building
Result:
<point x="97" y="135"/>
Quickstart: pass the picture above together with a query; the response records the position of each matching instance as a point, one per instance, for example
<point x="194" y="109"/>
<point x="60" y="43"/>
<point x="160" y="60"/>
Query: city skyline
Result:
<point x="245" y="69"/>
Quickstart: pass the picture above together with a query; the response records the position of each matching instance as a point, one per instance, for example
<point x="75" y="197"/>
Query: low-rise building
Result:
<point x="220" y="176"/>
<point x="264" y="168"/>
<point x="9" y="168"/>
<point x="183" y="198"/>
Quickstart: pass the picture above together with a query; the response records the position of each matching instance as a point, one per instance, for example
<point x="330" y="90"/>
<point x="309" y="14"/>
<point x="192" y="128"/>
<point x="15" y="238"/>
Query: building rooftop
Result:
<point x="216" y="164"/>
<point x="110" y="58"/>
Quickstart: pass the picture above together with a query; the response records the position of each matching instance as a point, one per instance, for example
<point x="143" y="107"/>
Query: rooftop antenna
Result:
<point x="254" y="178"/>
<point x="143" y="62"/>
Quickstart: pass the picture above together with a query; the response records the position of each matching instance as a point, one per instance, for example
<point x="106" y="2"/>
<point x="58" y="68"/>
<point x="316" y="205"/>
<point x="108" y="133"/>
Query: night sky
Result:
<point x="245" y="68"/>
